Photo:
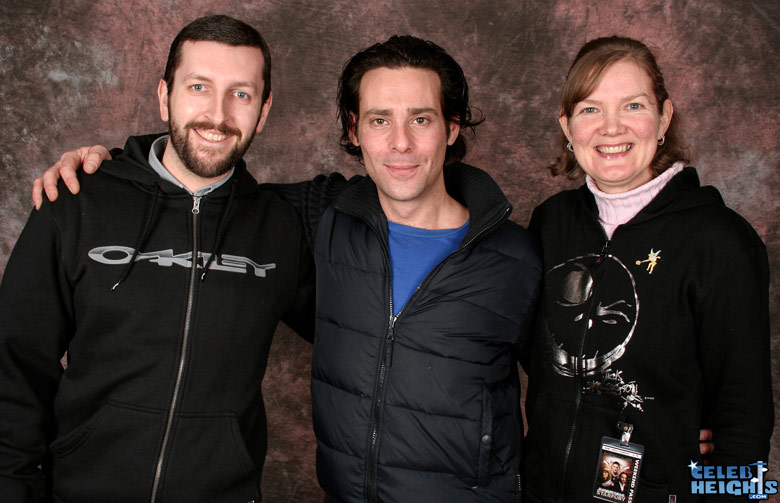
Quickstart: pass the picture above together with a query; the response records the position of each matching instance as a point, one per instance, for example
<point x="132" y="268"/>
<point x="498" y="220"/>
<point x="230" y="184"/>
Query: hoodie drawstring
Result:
<point x="220" y="229"/>
<point x="142" y="236"/>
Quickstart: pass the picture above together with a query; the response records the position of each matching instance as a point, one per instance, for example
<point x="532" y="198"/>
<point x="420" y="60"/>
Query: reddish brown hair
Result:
<point x="584" y="75"/>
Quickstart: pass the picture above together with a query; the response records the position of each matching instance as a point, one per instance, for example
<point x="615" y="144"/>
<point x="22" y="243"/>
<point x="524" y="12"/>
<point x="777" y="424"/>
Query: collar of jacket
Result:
<point x="468" y="185"/>
<point x="682" y="193"/>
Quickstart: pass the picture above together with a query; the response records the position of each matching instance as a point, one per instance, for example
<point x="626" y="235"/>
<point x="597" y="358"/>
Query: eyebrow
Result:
<point x="624" y="98"/>
<point x="241" y="83"/>
<point x="425" y="110"/>
<point x="411" y="111"/>
<point x="197" y="76"/>
<point x="244" y="84"/>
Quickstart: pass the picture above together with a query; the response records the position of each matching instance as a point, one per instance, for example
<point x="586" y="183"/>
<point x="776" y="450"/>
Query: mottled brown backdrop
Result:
<point x="78" y="72"/>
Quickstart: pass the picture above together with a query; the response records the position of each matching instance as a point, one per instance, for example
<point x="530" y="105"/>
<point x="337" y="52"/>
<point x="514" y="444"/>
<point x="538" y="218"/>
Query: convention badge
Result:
<point x="617" y="472"/>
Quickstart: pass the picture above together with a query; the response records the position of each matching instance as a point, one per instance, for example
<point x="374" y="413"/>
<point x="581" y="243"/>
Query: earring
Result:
<point x="661" y="140"/>
<point x="569" y="147"/>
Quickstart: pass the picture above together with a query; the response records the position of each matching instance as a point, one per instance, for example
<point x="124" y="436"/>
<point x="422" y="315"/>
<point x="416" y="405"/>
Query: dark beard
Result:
<point x="209" y="168"/>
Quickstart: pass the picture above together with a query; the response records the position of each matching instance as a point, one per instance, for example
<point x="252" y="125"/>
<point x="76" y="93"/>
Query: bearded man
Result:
<point x="164" y="282"/>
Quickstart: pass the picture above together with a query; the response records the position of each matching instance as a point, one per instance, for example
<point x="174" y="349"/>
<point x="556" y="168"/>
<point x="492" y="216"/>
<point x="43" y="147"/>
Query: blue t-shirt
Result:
<point x="414" y="252"/>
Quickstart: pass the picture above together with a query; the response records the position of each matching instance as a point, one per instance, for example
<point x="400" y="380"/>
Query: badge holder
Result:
<point x="617" y="472"/>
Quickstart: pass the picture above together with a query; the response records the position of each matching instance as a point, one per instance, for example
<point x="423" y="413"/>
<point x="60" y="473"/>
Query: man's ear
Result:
<point x="162" y="98"/>
<point x="454" y="131"/>
<point x="353" y="134"/>
<point x="264" y="112"/>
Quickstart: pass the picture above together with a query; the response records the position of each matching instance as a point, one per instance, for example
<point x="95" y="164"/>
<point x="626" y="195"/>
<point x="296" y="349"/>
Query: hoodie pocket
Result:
<point x="110" y="457"/>
<point x="543" y="454"/>
<point x="209" y="461"/>
<point x="113" y="457"/>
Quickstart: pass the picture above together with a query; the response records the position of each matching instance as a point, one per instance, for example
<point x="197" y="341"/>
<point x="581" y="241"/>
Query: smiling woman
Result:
<point x="615" y="131"/>
<point x="587" y="75"/>
<point x="654" y="318"/>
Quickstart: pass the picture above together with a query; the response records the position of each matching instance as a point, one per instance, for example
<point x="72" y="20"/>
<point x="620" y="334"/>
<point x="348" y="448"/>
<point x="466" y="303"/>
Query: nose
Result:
<point x="613" y="123"/>
<point x="218" y="109"/>
<point x="400" y="140"/>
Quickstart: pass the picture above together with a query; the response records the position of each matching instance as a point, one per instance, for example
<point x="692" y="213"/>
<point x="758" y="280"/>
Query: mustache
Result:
<point x="221" y="128"/>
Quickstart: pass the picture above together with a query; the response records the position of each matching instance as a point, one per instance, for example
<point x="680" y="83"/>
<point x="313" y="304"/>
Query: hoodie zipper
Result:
<point x="183" y="352"/>
<point x="387" y="349"/>
<point x="578" y="376"/>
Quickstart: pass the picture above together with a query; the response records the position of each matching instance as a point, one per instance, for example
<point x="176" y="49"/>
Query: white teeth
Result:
<point x="615" y="150"/>
<point x="212" y="136"/>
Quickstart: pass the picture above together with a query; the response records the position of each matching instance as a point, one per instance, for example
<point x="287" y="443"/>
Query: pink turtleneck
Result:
<point x="617" y="209"/>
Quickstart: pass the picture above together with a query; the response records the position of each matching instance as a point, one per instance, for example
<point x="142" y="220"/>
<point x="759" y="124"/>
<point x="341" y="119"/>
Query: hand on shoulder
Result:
<point x="89" y="158"/>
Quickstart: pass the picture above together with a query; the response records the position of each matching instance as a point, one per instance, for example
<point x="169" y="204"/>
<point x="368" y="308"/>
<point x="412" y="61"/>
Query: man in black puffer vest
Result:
<point x="425" y="295"/>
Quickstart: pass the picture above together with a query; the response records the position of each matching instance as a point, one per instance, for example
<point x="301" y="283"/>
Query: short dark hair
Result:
<point x="406" y="51"/>
<point x="593" y="59"/>
<point x="225" y="30"/>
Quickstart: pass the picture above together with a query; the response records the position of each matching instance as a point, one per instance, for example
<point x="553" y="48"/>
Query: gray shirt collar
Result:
<point x="155" y="154"/>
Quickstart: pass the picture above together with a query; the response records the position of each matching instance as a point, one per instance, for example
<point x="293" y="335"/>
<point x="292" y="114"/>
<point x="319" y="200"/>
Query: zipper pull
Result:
<point x="604" y="250"/>
<point x="196" y="204"/>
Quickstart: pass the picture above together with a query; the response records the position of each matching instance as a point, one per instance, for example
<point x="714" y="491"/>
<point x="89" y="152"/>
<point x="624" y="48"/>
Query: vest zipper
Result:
<point x="183" y="352"/>
<point x="386" y="360"/>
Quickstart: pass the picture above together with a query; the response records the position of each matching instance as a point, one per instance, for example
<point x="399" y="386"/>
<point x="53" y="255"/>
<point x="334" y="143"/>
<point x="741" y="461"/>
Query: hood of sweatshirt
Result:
<point x="135" y="154"/>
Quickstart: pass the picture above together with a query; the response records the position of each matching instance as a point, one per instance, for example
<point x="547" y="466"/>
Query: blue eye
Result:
<point x="589" y="110"/>
<point x="634" y="106"/>
<point x="242" y="95"/>
<point x="197" y="87"/>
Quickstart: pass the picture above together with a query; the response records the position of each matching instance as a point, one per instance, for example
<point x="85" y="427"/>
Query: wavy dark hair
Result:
<point x="406" y="51"/>
<point x="584" y="75"/>
<point x="225" y="30"/>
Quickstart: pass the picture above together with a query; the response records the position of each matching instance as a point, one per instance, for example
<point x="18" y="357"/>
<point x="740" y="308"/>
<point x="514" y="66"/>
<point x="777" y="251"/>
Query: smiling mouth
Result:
<point x="618" y="149"/>
<point x="210" y="136"/>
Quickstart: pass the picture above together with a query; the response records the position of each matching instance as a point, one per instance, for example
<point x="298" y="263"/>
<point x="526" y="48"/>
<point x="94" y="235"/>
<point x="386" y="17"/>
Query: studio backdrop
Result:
<point x="80" y="72"/>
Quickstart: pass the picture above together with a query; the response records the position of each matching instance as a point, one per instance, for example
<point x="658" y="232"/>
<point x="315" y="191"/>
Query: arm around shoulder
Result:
<point x="87" y="158"/>
<point x="311" y="198"/>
